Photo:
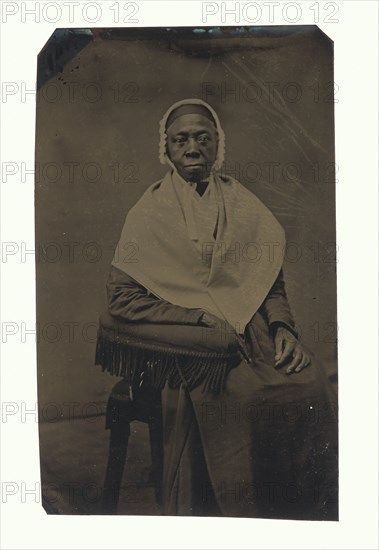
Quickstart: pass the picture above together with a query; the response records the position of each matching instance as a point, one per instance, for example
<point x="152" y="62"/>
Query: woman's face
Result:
<point x="192" y="146"/>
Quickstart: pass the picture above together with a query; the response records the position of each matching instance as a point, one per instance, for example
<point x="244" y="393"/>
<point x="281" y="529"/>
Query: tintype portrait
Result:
<point x="186" y="272"/>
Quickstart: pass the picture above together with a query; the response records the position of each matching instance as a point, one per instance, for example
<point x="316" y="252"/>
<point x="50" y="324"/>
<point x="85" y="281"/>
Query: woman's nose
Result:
<point x="192" y="147"/>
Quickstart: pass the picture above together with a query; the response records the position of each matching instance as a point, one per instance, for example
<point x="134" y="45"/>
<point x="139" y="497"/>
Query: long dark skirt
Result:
<point x="265" y="447"/>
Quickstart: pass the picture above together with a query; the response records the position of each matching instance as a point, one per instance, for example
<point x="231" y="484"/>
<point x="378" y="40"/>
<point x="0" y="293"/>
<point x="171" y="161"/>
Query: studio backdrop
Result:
<point x="102" y="93"/>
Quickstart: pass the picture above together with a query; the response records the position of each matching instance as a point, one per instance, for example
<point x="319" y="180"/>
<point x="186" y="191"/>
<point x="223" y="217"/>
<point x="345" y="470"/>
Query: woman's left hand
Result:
<point x="288" y="348"/>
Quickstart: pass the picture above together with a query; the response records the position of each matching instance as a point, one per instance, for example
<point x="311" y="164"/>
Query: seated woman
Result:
<point x="254" y="437"/>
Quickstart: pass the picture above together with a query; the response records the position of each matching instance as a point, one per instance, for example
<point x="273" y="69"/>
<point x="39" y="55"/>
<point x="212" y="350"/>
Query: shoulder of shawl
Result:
<point x="233" y="183"/>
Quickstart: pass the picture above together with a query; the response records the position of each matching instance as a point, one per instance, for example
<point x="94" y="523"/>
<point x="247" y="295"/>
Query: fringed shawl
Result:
<point x="245" y="260"/>
<point x="145" y="354"/>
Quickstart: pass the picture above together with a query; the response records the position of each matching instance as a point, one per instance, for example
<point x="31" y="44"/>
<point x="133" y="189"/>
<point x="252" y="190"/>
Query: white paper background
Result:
<point x="25" y="524"/>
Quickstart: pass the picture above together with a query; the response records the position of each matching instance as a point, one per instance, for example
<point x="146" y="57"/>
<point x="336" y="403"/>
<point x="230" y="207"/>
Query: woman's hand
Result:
<point x="211" y="321"/>
<point x="288" y="348"/>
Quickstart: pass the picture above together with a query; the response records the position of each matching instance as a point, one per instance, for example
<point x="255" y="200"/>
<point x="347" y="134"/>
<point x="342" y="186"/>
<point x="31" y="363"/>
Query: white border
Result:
<point x="25" y="525"/>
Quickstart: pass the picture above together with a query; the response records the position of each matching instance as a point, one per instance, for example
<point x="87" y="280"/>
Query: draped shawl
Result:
<point x="229" y="276"/>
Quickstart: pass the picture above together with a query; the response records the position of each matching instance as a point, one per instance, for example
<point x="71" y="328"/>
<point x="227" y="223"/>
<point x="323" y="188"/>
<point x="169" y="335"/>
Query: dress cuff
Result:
<point x="276" y="324"/>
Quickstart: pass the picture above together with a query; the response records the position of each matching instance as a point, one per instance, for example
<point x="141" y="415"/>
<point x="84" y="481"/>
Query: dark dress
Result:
<point x="266" y="446"/>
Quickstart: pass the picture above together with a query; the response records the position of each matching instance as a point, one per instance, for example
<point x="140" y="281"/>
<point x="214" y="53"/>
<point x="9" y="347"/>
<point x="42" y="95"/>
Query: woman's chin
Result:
<point x="195" y="173"/>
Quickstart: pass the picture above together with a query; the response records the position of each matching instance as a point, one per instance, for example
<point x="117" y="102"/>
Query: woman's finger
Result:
<point x="279" y="340"/>
<point x="298" y="356"/>
<point x="288" y="350"/>
<point x="305" y="362"/>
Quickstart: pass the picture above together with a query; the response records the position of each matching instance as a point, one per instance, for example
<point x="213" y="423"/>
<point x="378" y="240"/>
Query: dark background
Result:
<point x="101" y="95"/>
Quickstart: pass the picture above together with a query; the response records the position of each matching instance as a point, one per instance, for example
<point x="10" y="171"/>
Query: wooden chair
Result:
<point x="126" y="405"/>
<point x="146" y="357"/>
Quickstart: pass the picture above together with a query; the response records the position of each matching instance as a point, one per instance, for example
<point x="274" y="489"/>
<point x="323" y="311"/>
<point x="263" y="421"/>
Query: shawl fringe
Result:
<point x="145" y="363"/>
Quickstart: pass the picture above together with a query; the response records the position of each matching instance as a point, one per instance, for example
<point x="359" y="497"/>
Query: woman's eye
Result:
<point x="203" y="139"/>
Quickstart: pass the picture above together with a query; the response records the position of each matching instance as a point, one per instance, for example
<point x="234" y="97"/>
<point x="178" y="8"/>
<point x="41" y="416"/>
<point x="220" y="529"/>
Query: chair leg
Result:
<point x="156" y="448"/>
<point x="118" y="446"/>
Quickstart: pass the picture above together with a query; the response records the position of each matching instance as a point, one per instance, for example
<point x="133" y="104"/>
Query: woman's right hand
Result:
<point x="211" y="321"/>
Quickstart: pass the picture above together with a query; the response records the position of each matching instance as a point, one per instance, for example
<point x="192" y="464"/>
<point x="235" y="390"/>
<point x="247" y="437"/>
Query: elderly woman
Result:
<point x="252" y="437"/>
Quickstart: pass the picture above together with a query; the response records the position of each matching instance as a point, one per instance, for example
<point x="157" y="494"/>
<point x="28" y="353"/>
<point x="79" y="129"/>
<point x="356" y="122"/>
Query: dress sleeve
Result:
<point x="130" y="301"/>
<point x="275" y="308"/>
